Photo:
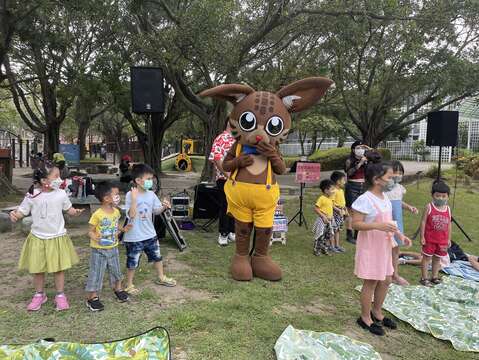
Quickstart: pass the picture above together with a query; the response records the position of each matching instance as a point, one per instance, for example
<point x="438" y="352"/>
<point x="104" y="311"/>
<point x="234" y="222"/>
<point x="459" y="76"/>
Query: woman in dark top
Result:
<point x="355" y="167"/>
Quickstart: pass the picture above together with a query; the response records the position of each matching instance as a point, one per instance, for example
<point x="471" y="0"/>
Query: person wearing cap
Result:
<point x="60" y="163"/>
<point x="355" y="170"/>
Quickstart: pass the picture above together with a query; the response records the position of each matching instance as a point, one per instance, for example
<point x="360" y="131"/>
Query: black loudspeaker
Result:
<point x="147" y="90"/>
<point x="442" y="128"/>
<point x="207" y="203"/>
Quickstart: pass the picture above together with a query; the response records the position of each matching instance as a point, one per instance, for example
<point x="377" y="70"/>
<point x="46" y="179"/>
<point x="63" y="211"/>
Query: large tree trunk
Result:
<point x="302" y="139"/>
<point x="155" y="133"/>
<point x="82" y="133"/>
<point x="213" y="127"/>
<point x="52" y="139"/>
<point x="371" y="138"/>
<point x="314" y="143"/>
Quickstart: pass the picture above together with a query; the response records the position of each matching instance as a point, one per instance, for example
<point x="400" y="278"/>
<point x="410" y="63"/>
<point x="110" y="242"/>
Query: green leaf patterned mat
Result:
<point x="153" y="344"/>
<point x="294" y="344"/>
<point x="449" y="311"/>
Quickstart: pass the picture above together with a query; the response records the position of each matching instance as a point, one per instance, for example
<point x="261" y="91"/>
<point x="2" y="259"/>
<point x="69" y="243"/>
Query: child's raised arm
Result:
<point x="130" y="202"/>
<point x="74" y="212"/>
<point x="410" y="208"/>
<point x="16" y="215"/>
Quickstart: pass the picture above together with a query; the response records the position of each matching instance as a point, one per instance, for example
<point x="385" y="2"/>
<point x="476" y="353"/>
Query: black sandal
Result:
<point x="387" y="322"/>
<point x="373" y="328"/>
<point x="436" y="281"/>
<point x="425" y="282"/>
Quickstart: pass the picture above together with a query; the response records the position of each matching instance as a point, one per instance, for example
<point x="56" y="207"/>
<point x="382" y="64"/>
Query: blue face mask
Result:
<point x="439" y="202"/>
<point x="148" y="184"/>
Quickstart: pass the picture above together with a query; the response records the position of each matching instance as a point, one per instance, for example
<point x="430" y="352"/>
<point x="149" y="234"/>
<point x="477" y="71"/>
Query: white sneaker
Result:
<point x="223" y="240"/>
<point x="231" y="237"/>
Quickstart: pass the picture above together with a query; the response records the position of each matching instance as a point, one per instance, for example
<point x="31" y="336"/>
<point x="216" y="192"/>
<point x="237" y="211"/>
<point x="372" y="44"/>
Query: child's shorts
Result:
<point x="338" y="221"/>
<point x="432" y="249"/>
<point x="151" y="247"/>
<point x="100" y="260"/>
<point x="322" y="229"/>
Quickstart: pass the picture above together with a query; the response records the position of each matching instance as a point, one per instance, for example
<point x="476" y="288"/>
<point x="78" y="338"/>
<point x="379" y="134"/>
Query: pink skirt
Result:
<point x="373" y="260"/>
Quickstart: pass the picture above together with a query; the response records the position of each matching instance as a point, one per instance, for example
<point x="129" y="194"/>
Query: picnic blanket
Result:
<point x="294" y="344"/>
<point x="449" y="311"/>
<point x="462" y="269"/>
<point x="153" y="344"/>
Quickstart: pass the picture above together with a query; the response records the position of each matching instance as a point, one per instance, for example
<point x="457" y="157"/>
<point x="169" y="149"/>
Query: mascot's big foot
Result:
<point x="263" y="266"/>
<point x="241" y="263"/>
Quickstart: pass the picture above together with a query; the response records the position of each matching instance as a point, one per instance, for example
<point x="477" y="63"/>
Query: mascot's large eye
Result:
<point x="274" y="126"/>
<point x="247" y="121"/>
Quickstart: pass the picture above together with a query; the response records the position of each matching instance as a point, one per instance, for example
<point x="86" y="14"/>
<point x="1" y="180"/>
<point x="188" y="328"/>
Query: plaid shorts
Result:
<point x="338" y="221"/>
<point x="151" y="247"/>
<point x="100" y="259"/>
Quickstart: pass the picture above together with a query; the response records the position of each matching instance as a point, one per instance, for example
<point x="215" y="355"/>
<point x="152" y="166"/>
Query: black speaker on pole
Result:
<point x="147" y="90"/>
<point x="442" y="128"/>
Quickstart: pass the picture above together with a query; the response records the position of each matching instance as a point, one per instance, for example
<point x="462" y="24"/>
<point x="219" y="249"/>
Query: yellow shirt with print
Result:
<point x="107" y="226"/>
<point x="325" y="204"/>
<point x="339" y="199"/>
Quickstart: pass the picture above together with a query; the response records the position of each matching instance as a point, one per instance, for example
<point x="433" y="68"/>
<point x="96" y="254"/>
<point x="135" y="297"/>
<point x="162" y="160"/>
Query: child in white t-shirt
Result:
<point x="48" y="248"/>
<point x="395" y="195"/>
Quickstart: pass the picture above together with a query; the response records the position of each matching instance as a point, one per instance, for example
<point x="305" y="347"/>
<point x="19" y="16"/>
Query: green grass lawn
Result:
<point x="210" y="316"/>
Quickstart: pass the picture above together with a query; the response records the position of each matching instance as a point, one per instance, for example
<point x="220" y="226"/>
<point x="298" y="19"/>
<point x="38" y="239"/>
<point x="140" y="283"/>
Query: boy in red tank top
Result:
<point x="435" y="232"/>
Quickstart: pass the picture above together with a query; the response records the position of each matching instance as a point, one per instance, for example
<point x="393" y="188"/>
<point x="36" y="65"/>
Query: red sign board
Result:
<point x="308" y="173"/>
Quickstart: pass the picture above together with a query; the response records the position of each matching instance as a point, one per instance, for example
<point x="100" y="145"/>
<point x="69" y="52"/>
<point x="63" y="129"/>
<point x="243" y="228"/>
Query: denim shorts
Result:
<point x="100" y="260"/>
<point x="151" y="247"/>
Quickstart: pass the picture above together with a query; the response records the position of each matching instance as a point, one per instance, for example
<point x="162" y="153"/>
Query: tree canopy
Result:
<point x="391" y="61"/>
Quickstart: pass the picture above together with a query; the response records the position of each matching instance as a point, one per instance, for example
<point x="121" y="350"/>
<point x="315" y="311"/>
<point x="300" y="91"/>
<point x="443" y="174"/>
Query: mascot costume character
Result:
<point x="259" y="121"/>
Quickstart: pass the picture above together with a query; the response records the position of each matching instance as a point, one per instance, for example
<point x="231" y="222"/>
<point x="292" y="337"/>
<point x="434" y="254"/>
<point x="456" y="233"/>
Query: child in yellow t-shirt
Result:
<point x="322" y="228"/>
<point x="104" y="231"/>
<point x="339" y="209"/>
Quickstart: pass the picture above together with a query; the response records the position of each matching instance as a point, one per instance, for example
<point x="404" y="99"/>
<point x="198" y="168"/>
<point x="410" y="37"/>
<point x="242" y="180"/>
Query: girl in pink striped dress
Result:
<point x="372" y="217"/>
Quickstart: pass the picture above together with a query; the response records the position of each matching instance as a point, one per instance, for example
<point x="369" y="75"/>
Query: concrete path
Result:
<point x="175" y="181"/>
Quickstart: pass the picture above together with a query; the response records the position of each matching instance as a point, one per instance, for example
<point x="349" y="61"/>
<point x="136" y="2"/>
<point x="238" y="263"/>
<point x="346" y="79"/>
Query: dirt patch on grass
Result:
<point x="177" y="295"/>
<point x="175" y="266"/>
<point x="179" y="354"/>
<point x="315" y="307"/>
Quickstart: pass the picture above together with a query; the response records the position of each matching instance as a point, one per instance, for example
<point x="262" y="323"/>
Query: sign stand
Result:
<point x="300" y="211"/>
<point x="306" y="173"/>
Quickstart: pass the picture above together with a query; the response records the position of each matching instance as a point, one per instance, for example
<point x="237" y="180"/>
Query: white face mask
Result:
<point x="359" y="152"/>
<point x="55" y="184"/>
<point x="116" y="200"/>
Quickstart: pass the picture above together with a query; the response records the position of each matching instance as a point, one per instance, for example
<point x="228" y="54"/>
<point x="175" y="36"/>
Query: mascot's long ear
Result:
<point x="302" y="94"/>
<point x="233" y="93"/>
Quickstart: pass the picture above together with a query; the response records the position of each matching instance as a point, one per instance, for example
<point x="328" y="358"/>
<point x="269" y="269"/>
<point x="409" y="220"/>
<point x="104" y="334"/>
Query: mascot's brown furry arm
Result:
<point x="259" y="121"/>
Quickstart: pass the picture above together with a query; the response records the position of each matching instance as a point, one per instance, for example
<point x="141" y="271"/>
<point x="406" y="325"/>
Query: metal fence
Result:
<point x="20" y="149"/>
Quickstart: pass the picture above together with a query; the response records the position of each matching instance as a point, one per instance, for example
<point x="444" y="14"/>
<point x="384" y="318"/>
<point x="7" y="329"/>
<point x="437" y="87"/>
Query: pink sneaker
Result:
<point x="62" y="302"/>
<point x="37" y="301"/>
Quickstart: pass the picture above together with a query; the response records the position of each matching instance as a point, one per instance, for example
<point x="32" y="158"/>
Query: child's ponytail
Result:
<point x="38" y="175"/>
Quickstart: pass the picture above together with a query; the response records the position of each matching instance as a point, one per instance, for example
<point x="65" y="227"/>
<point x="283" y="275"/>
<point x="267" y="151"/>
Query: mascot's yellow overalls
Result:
<point x="252" y="203"/>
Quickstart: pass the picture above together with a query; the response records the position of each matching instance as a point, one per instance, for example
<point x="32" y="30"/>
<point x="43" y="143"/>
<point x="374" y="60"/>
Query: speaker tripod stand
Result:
<point x="300" y="214"/>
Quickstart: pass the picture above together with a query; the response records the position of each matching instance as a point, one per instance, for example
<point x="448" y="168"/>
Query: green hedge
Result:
<point x="334" y="159"/>
<point x="290" y="160"/>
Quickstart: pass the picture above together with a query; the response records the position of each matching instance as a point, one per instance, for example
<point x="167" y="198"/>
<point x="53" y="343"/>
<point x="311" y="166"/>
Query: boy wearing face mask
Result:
<point x="435" y="232"/>
<point x="141" y="204"/>
<point x="395" y="193"/>
<point x="322" y="228"/>
<point x="104" y="231"/>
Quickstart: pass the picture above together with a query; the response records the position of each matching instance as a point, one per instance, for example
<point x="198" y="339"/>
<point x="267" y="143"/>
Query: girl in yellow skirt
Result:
<point x="48" y="248"/>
